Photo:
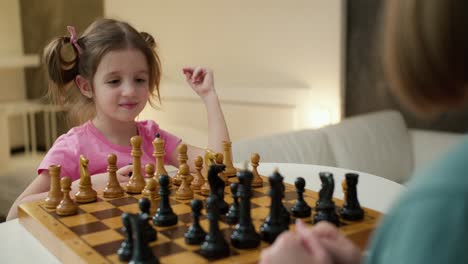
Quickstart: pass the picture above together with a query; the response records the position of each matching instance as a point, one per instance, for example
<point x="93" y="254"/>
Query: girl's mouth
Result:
<point x="128" y="105"/>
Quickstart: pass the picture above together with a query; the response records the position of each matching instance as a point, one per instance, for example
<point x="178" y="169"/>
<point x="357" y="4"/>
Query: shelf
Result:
<point x="31" y="60"/>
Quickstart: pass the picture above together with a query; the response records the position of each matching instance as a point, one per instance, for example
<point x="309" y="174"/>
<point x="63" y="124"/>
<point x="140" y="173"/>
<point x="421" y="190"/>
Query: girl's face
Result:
<point x="121" y="85"/>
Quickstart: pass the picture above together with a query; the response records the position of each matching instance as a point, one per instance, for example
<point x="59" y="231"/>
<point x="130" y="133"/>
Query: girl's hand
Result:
<point x="340" y="248"/>
<point x="124" y="172"/>
<point x="201" y="80"/>
<point x="289" y="248"/>
<point x="321" y="244"/>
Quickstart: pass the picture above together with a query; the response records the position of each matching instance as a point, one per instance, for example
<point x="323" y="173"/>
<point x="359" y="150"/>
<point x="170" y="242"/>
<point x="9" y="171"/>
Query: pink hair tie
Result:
<point x="73" y="38"/>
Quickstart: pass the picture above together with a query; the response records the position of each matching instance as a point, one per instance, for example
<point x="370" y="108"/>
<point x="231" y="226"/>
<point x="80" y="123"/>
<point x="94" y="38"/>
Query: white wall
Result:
<point x="277" y="63"/>
<point x="11" y="76"/>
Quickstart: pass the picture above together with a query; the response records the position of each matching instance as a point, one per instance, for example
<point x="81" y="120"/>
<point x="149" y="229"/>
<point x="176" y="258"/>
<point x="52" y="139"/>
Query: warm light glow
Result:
<point x="314" y="117"/>
<point x="318" y="117"/>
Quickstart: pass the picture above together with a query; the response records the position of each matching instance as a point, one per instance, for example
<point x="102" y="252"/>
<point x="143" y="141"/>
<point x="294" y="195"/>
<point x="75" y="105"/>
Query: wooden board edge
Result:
<point x="63" y="249"/>
<point x="361" y="239"/>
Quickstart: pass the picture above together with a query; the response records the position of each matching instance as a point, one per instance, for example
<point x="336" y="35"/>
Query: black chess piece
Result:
<point x="164" y="215"/>
<point x="126" y="248"/>
<point x="142" y="253"/>
<point x="145" y="205"/>
<point x="274" y="223"/>
<point x="285" y="215"/>
<point x="232" y="217"/>
<point x="214" y="246"/>
<point x="195" y="235"/>
<point x="300" y="209"/>
<point x="217" y="186"/>
<point x="325" y="207"/>
<point x="244" y="235"/>
<point x="352" y="209"/>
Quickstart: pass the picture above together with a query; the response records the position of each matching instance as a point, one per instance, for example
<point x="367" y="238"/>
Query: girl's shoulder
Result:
<point x="66" y="151"/>
<point x="75" y="134"/>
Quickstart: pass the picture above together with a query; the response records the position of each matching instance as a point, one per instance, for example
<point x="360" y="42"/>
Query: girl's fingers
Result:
<point x="325" y="230"/>
<point x="188" y="73"/>
<point x="123" y="179"/>
<point x="325" y="237"/>
<point x="300" y="226"/>
<point x="187" y="70"/>
<point x="318" y="251"/>
<point x="195" y="75"/>
<point x="198" y="75"/>
<point x="322" y="230"/>
<point x="304" y="233"/>
<point x="310" y="241"/>
<point x="125" y="170"/>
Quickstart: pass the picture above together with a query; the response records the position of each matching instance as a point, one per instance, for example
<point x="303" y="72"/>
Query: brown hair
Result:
<point x="99" y="38"/>
<point x="426" y="53"/>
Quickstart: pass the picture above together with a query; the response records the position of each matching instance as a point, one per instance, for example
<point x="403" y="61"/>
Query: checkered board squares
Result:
<point x="95" y="234"/>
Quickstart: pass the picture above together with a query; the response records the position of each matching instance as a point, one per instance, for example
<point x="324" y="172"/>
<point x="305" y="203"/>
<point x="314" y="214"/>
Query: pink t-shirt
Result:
<point x="89" y="141"/>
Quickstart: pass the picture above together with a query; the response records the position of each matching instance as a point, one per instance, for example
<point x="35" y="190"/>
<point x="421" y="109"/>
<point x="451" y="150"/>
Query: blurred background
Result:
<point x="279" y="65"/>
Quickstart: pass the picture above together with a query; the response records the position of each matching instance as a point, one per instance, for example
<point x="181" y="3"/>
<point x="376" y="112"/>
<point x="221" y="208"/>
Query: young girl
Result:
<point x="114" y="72"/>
<point x="426" y="59"/>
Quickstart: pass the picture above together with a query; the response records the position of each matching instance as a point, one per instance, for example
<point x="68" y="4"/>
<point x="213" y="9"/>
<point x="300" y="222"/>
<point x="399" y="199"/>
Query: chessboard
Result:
<point x="95" y="234"/>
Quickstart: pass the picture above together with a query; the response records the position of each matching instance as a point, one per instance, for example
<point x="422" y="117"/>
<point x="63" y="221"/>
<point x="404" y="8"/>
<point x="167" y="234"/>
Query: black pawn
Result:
<point x="274" y="223"/>
<point x="164" y="215"/>
<point x="244" y="235"/>
<point x="142" y="253"/>
<point x="145" y="206"/>
<point x="214" y="246"/>
<point x="232" y="217"/>
<point x="195" y="235"/>
<point x="352" y="209"/>
<point x="300" y="209"/>
<point x="325" y="207"/>
<point x="126" y="248"/>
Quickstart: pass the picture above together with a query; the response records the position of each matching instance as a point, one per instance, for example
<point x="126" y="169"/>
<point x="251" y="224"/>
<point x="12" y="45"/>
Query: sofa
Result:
<point x="378" y="143"/>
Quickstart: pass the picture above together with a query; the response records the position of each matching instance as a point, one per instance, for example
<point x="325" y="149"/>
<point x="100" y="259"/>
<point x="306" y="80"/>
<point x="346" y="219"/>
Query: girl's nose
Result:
<point x="128" y="89"/>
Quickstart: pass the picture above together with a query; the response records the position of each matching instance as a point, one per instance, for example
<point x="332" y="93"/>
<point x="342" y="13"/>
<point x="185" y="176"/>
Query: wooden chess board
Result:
<point x="95" y="234"/>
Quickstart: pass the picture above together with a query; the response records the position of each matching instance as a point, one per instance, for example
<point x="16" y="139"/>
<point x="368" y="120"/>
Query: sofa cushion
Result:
<point x="303" y="146"/>
<point x="377" y="143"/>
<point x="430" y="145"/>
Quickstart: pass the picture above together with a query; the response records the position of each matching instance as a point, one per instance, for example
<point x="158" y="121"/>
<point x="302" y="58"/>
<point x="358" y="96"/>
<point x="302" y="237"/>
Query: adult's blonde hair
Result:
<point x="425" y="53"/>
<point x="101" y="37"/>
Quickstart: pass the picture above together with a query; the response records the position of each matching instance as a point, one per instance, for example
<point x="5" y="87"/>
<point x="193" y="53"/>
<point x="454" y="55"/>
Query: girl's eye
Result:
<point x="113" y="81"/>
<point x="140" y="80"/>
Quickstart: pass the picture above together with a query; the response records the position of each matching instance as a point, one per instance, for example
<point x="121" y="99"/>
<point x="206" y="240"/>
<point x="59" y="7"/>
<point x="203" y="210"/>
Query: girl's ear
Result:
<point x="84" y="85"/>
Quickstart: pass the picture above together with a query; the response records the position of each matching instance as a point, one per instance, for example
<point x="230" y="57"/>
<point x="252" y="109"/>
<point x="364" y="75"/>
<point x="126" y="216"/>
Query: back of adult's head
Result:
<point x="84" y="55"/>
<point x="426" y="53"/>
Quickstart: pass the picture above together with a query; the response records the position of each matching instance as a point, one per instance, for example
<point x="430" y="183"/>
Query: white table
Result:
<point x="19" y="246"/>
<point x="374" y="192"/>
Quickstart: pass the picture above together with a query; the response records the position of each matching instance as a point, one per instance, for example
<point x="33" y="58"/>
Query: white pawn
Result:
<point x="184" y="192"/>
<point x="67" y="206"/>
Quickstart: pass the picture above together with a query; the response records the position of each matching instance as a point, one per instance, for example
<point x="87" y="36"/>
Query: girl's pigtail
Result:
<point x="60" y="70"/>
<point x="157" y="66"/>
<point x="149" y="39"/>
